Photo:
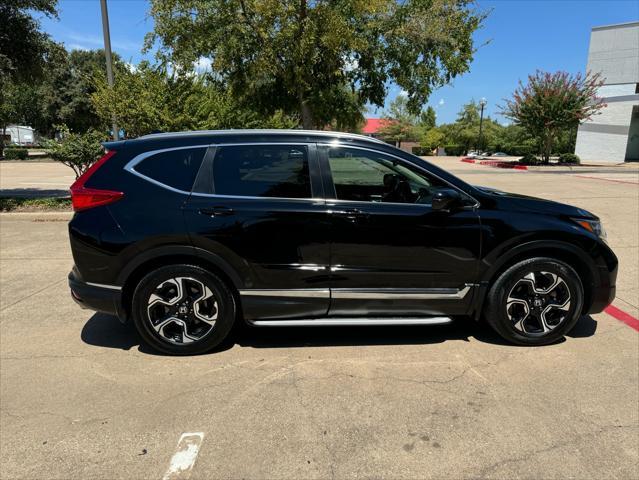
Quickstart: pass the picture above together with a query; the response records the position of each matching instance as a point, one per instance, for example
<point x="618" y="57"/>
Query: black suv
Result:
<point x="185" y="233"/>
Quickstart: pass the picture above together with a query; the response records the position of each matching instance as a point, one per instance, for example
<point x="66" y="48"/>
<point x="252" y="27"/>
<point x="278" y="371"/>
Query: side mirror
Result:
<point x="446" y="198"/>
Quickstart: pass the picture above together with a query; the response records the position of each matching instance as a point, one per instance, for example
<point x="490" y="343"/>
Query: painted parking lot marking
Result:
<point x="622" y="316"/>
<point x="184" y="458"/>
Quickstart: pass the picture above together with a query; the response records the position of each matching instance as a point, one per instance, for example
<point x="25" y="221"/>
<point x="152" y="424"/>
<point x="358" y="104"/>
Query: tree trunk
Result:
<point x="305" y="113"/>
<point x="547" y="146"/>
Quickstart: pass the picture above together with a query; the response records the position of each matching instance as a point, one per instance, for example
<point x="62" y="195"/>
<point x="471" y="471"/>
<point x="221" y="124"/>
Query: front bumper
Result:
<point x="603" y="292"/>
<point x="101" y="298"/>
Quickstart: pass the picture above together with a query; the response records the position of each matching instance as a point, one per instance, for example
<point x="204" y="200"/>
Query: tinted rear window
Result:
<point x="175" y="168"/>
<point x="262" y="171"/>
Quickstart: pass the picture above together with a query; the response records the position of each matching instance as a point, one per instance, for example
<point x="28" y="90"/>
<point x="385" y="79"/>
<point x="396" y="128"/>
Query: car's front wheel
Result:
<point x="183" y="309"/>
<point x="535" y="302"/>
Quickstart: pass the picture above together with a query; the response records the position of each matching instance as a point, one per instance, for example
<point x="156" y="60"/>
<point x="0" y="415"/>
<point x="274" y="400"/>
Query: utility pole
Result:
<point x="482" y="104"/>
<point x="109" y="58"/>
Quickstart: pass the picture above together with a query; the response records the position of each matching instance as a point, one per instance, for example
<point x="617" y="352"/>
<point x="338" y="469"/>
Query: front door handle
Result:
<point x="352" y="214"/>
<point x="216" y="211"/>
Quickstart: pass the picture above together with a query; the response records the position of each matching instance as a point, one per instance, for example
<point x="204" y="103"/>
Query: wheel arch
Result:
<point x="174" y="254"/>
<point x="572" y="255"/>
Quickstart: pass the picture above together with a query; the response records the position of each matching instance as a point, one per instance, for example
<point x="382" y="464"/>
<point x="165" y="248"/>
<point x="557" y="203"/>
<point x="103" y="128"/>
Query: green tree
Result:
<point x="432" y="139"/>
<point x="320" y="60"/>
<point x="554" y="102"/>
<point x="77" y="151"/>
<point x="23" y="50"/>
<point x="399" y="123"/>
<point x="428" y="118"/>
<point x="146" y="98"/>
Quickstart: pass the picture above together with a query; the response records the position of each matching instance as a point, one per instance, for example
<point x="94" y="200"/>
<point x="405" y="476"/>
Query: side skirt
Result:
<point x="327" y="322"/>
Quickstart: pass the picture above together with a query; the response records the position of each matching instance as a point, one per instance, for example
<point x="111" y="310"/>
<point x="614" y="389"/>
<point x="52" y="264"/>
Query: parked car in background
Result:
<point x="499" y="154"/>
<point x="184" y="234"/>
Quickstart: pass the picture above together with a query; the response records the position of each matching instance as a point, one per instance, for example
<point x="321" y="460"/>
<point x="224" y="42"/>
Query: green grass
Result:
<point x="18" y="204"/>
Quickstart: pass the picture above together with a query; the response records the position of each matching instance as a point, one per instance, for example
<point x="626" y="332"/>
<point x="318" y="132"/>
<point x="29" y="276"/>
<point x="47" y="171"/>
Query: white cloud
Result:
<point x="77" y="46"/>
<point x="97" y="41"/>
<point x="403" y="93"/>
<point x="441" y="102"/>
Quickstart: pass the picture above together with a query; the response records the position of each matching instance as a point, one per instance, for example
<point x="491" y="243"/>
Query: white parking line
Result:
<point x="184" y="458"/>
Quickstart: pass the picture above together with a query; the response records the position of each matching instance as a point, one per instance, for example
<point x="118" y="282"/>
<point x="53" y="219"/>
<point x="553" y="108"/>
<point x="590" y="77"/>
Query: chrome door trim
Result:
<point x="400" y="294"/>
<point x="363" y="293"/>
<point x="290" y="293"/>
<point x="348" y="322"/>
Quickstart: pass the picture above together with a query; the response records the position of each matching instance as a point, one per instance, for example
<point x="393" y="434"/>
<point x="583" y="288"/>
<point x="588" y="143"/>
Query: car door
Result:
<point x="391" y="252"/>
<point x="259" y="207"/>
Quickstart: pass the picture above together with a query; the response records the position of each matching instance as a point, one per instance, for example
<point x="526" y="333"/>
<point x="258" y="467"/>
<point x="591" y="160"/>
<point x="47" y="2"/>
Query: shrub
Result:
<point x="454" y="150"/>
<point x="421" y="151"/>
<point x="569" y="159"/>
<point x="77" y="151"/>
<point x="517" y="150"/>
<point x="530" y="159"/>
<point x="13" y="153"/>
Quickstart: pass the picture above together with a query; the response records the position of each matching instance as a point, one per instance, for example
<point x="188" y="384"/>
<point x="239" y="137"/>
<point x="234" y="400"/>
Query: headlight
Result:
<point x="593" y="226"/>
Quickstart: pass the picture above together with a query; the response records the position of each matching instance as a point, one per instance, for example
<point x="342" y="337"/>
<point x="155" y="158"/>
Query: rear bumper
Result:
<point x="101" y="298"/>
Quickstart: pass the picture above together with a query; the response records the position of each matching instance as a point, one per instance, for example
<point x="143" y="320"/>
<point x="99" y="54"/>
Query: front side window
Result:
<point x="175" y="168"/>
<point x="262" y="171"/>
<point x="367" y="176"/>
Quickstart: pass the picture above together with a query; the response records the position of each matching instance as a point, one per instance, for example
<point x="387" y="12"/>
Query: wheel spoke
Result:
<point x="182" y="310"/>
<point x="538" y="302"/>
<point x="518" y="322"/>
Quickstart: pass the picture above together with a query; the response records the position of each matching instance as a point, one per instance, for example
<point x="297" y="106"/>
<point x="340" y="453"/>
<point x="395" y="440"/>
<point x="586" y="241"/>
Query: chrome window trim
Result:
<point x="130" y="167"/>
<point x="422" y="169"/>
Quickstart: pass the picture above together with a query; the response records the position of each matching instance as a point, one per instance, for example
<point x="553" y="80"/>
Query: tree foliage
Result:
<point x="77" y="151"/>
<point x="320" y="60"/>
<point x="23" y="46"/>
<point x="554" y="102"/>
<point x="23" y="51"/>
<point x="399" y="122"/>
<point x="147" y="98"/>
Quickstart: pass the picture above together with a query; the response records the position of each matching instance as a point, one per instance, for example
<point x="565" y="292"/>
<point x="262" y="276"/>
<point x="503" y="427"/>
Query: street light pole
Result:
<point x="482" y="104"/>
<point x="109" y="58"/>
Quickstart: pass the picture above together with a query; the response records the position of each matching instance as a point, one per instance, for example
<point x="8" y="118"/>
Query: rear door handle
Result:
<point x="216" y="211"/>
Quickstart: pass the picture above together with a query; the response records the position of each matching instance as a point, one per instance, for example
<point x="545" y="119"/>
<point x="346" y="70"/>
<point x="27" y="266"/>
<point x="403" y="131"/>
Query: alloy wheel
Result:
<point x="182" y="310"/>
<point x="538" y="303"/>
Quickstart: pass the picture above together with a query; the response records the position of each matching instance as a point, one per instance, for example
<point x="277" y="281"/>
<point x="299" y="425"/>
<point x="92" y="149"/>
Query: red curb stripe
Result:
<point x="622" y="316"/>
<point x="606" y="179"/>
<point x="495" y="164"/>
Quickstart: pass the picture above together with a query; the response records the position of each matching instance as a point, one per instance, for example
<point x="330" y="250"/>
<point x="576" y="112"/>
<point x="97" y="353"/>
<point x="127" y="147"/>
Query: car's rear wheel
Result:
<point x="183" y="309"/>
<point x="535" y="302"/>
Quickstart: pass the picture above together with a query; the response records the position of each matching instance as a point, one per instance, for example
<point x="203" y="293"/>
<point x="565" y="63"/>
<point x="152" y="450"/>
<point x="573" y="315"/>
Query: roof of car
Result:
<point x="197" y="133"/>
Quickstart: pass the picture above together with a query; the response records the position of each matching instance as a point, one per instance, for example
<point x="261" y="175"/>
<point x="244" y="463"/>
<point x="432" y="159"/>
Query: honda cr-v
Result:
<point x="184" y="234"/>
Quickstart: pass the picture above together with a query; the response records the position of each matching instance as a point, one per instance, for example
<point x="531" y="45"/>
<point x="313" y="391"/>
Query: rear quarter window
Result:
<point x="175" y="168"/>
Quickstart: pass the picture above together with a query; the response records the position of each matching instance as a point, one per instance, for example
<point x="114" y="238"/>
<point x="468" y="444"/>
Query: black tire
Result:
<point x="224" y="308"/>
<point x="496" y="311"/>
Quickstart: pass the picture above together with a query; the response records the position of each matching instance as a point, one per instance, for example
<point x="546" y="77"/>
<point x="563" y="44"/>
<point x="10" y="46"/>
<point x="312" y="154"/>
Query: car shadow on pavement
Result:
<point x="106" y="331"/>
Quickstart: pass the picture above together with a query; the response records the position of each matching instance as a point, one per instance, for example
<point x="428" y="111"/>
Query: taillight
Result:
<point x="83" y="197"/>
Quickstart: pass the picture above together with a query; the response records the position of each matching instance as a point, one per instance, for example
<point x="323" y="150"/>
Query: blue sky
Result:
<point x="521" y="36"/>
